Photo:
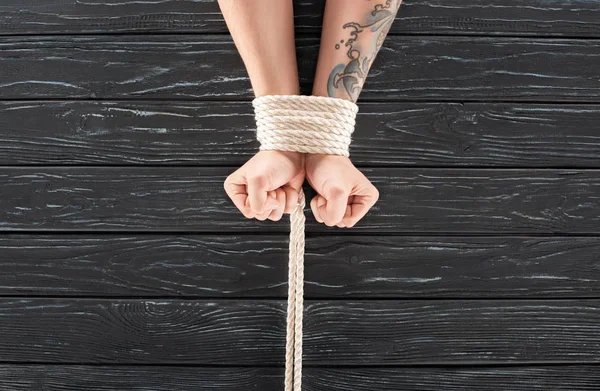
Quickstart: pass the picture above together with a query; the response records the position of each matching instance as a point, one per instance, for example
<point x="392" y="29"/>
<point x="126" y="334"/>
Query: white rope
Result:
<point x="307" y="124"/>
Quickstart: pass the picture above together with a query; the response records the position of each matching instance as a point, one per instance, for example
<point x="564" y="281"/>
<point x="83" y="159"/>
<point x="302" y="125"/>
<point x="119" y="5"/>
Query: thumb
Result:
<point x="258" y="194"/>
<point x="333" y="205"/>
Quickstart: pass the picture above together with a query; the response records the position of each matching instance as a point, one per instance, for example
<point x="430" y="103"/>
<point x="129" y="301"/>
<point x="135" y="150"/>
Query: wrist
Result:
<point x="275" y="87"/>
<point x="309" y="124"/>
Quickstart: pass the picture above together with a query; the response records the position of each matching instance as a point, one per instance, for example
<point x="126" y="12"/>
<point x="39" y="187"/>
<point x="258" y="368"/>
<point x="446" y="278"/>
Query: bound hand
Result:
<point x="345" y="194"/>
<point x="267" y="185"/>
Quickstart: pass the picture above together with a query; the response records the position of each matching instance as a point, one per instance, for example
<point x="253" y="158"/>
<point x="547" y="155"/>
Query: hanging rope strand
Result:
<point x="306" y="124"/>
<point x="297" y="220"/>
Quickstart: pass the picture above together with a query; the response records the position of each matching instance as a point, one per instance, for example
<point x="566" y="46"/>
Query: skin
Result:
<point x="352" y="35"/>
<point x="350" y="40"/>
<point x="267" y="185"/>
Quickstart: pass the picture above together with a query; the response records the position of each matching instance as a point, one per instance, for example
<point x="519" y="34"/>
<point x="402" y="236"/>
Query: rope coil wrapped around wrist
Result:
<point x="307" y="124"/>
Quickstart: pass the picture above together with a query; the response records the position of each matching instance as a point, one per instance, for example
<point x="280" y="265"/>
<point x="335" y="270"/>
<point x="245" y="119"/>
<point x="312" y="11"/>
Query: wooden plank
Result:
<point x="209" y="67"/>
<point x="142" y="331"/>
<point x="444" y="332"/>
<point x="338" y="332"/>
<point x="141" y="378"/>
<point x="192" y="199"/>
<point x="335" y="266"/>
<point x="391" y="133"/>
<point x="172" y="378"/>
<point x="569" y="377"/>
<point x="514" y="17"/>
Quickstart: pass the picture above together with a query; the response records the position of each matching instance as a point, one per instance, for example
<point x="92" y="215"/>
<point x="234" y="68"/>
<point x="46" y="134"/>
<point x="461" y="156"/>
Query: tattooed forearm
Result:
<point x="362" y="43"/>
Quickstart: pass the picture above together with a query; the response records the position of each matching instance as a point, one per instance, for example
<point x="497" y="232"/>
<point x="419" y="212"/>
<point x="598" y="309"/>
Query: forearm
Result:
<point x="353" y="32"/>
<point x="263" y="32"/>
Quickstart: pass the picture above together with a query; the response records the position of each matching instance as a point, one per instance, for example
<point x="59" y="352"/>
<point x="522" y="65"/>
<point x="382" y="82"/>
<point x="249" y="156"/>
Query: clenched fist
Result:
<point x="267" y="186"/>
<point x="345" y="194"/>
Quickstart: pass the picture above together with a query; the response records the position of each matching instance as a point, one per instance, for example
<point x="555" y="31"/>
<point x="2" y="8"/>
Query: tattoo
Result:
<point x="363" y="42"/>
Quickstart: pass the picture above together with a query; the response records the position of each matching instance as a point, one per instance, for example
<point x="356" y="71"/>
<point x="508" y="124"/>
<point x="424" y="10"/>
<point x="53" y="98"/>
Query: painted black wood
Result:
<point x="336" y="266"/>
<point x="192" y="199"/>
<point x="215" y="301"/>
<point x="144" y="378"/>
<point x="236" y="332"/>
<point x="169" y="378"/>
<point x="209" y="67"/>
<point x="569" y="377"/>
<point x="514" y="17"/>
<point x="387" y="134"/>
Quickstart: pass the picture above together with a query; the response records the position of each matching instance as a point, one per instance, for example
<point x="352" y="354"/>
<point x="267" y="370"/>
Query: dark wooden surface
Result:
<point x="413" y="200"/>
<point x="250" y="266"/>
<point x="123" y="266"/>
<point x="170" y="378"/>
<point x="339" y="332"/>
<point x="579" y="18"/>
<point x="208" y="67"/>
<point x="199" y="133"/>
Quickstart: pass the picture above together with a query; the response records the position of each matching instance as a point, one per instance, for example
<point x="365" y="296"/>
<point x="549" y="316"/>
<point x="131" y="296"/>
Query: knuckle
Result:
<point x="259" y="180"/>
<point x="246" y="212"/>
<point x="375" y="194"/>
<point x="334" y="188"/>
<point x="336" y="191"/>
<point x="318" y="218"/>
<point x="227" y="181"/>
<point x="329" y="222"/>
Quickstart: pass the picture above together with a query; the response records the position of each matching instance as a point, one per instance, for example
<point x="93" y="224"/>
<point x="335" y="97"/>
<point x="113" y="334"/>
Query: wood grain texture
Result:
<point x="142" y="331"/>
<point x="140" y="378"/>
<point x="568" y="377"/>
<point x="192" y="199"/>
<point x="492" y="283"/>
<point x="387" y="134"/>
<point x="235" y="332"/>
<point x="336" y="266"/>
<point x="169" y="378"/>
<point x="209" y="67"/>
<point x="514" y="17"/>
<point x="470" y="332"/>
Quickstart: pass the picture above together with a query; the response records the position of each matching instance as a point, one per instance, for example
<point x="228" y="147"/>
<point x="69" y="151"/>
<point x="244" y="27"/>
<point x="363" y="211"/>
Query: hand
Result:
<point x="267" y="185"/>
<point x="345" y="194"/>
